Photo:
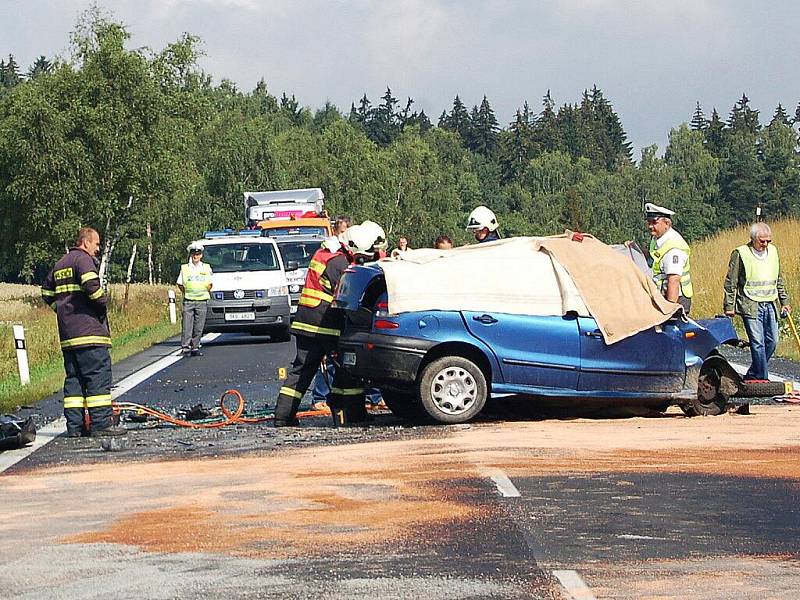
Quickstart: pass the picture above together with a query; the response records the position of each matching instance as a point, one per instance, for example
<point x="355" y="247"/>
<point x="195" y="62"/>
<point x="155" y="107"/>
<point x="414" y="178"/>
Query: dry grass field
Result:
<point x="710" y="264"/>
<point x="143" y="323"/>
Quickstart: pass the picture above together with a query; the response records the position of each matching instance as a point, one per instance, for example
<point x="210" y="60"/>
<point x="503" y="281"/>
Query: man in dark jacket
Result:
<point x="74" y="290"/>
<point x="317" y="326"/>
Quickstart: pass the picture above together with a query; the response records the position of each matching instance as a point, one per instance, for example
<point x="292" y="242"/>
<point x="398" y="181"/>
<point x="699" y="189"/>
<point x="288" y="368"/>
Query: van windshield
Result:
<point x="231" y="258"/>
<point x="299" y="251"/>
<point x="298" y="230"/>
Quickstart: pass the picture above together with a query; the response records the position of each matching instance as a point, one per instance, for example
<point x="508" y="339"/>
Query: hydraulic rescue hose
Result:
<point x="228" y="417"/>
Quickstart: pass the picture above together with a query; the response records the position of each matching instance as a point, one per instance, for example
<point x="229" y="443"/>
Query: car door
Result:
<point x="650" y="361"/>
<point x="532" y="351"/>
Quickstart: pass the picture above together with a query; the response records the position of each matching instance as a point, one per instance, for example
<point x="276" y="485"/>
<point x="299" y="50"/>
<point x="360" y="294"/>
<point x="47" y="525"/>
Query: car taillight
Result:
<point x="382" y="309"/>
<point x="386" y="324"/>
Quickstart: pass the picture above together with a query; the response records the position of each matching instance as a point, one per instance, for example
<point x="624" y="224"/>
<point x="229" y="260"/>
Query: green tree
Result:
<point x="699" y="121"/>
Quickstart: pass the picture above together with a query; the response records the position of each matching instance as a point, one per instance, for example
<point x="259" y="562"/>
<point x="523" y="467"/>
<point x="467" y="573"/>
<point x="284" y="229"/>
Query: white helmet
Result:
<point x="482" y="217"/>
<point x="194" y="247"/>
<point x="378" y="233"/>
<point x="364" y="238"/>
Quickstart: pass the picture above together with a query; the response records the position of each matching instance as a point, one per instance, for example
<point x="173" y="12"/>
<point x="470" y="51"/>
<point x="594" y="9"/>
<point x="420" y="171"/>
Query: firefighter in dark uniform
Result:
<point x="317" y="327"/>
<point x="74" y="290"/>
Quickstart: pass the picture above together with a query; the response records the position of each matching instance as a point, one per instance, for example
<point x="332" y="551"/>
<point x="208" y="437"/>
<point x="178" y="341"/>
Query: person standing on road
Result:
<point x="670" y="255"/>
<point x="483" y="223"/>
<point x="754" y="290"/>
<point x="194" y="281"/>
<point x="321" y="386"/>
<point x="74" y="290"/>
<point x="317" y="327"/>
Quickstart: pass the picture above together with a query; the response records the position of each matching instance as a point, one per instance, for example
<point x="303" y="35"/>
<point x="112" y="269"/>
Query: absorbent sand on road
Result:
<point x="387" y="518"/>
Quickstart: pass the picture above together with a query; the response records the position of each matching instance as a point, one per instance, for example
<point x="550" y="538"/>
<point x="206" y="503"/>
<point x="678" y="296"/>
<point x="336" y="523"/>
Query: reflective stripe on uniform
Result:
<point x="317" y="294"/>
<point x="287" y="391"/>
<point x="310" y="302"/>
<point x="89" y="276"/>
<point x="316" y="266"/>
<point x="47" y="293"/>
<point x="297" y="325"/>
<point x="347" y="391"/>
<point x="67" y="288"/>
<point x="97" y="340"/>
<point x="99" y="400"/>
<point x="73" y="402"/>
<point x="96" y="295"/>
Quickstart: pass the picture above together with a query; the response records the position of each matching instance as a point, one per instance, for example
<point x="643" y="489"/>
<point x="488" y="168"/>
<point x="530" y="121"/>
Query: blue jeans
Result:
<point x="321" y="386"/>
<point x="763" y="335"/>
<point x="322" y="382"/>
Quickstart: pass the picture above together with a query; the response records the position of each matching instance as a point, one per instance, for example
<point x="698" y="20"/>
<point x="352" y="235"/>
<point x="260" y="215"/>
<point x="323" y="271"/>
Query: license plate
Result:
<point x="240" y="316"/>
<point x="293" y="309"/>
<point x="349" y="359"/>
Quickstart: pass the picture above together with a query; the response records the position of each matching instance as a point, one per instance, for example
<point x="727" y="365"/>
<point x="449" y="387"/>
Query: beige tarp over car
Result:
<point x="531" y="276"/>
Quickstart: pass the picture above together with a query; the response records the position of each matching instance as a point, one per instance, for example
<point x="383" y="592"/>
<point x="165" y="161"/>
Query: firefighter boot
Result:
<point x="285" y="411"/>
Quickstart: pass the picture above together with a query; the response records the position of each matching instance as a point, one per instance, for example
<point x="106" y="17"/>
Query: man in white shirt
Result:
<point x="670" y="255"/>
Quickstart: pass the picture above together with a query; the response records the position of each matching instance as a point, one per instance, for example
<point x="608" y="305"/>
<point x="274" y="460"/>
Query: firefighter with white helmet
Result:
<point x="194" y="281"/>
<point x="317" y="327"/>
<point x="483" y="222"/>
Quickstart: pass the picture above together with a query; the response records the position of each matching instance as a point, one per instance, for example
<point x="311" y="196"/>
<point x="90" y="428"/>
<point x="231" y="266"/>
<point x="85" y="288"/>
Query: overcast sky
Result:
<point x="652" y="58"/>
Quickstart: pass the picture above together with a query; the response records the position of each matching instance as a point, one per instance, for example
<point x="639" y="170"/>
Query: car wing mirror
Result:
<point x="292" y="265"/>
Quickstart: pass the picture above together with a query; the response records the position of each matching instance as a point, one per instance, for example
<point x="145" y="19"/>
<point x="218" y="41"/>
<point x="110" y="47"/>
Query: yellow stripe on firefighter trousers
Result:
<point x="98" y="400"/>
<point x="73" y="401"/>
<point x="287" y="391"/>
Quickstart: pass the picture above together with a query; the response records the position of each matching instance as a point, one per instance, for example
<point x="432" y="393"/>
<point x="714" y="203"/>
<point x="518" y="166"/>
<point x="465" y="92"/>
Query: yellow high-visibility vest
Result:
<point x="657" y="254"/>
<point x="195" y="282"/>
<point x="762" y="275"/>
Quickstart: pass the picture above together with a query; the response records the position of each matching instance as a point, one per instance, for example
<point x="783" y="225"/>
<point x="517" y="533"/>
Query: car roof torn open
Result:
<point x="552" y="275"/>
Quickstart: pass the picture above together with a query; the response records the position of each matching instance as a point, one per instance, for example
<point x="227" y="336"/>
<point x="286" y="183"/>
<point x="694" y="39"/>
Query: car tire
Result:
<point x="452" y="389"/>
<point x="709" y="401"/>
<point x="405" y="406"/>
<point x="760" y="389"/>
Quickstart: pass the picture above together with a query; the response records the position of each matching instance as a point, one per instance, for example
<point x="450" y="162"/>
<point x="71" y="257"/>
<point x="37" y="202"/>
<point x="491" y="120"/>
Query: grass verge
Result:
<point x="142" y="324"/>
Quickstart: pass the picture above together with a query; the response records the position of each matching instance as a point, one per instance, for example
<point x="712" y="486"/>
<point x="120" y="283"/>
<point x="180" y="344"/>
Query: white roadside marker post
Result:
<point x="22" y="355"/>
<point x="172" y="316"/>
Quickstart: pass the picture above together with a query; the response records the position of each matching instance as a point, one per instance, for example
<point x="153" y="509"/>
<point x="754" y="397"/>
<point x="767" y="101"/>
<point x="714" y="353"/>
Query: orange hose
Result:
<point x="231" y="418"/>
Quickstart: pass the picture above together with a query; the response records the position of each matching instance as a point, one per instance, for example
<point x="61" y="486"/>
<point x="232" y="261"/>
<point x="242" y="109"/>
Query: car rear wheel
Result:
<point x="452" y="389"/>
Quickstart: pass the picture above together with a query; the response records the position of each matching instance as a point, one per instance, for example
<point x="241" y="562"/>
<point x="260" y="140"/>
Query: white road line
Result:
<point x="574" y="585"/>
<point x="742" y="369"/>
<point x="52" y="430"/>
<point x="502" y="482"/>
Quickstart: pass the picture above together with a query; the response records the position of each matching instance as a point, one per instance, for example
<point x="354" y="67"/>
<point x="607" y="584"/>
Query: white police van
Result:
<point x="250" y="292"/>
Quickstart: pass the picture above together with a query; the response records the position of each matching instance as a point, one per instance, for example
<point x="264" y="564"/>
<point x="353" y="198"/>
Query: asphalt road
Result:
<point x="408" y="511"/>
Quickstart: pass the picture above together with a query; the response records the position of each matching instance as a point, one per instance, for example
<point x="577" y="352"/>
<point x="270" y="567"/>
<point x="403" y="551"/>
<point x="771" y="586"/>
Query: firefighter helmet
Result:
<point x="482" y="218"/>
<point x="365" y="238"/>
<point x="194" y="247"/>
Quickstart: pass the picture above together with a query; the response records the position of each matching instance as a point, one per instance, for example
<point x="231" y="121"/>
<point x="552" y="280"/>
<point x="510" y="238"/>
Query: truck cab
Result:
<point x="250" y="290"/>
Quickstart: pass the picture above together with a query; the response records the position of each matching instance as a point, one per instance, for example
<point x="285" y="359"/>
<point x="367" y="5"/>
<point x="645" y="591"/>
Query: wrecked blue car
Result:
<point x="444" y="364"/>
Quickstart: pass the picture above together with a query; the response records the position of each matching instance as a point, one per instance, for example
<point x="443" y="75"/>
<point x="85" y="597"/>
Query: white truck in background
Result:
<point x="283" y="205"/>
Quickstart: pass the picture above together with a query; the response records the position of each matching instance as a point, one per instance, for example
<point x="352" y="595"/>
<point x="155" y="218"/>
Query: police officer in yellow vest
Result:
<point x="754" y="290"/>
<point x="195" y="283"/>
<point x="670" y="255"/>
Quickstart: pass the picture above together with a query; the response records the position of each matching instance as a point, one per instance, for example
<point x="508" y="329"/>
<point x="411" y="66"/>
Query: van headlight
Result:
<point x="278" y="291"/>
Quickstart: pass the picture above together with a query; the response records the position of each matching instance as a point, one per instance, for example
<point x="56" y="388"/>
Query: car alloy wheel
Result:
<point x="452" y="389"/>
